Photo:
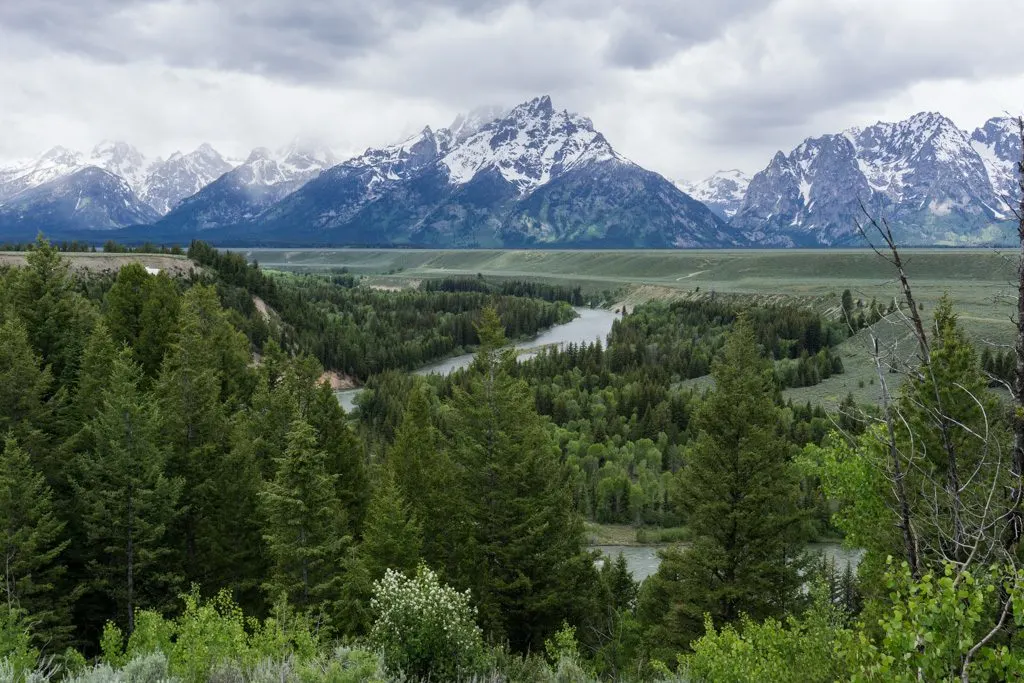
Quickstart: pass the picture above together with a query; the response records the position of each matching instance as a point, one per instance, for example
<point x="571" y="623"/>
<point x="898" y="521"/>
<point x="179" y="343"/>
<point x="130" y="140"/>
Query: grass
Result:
<point x="629" y="535"/>
<point x="980" y="281"/>
<point x="610" y="534"/>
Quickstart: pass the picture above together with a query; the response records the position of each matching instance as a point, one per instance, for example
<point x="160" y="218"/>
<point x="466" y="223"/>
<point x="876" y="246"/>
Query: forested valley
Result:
<point x="182" y="497"/>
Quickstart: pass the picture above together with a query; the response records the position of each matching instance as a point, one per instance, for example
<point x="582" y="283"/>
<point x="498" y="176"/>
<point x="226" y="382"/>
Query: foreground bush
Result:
<point x="424" y="628"/>
<point x="946" y="626"/>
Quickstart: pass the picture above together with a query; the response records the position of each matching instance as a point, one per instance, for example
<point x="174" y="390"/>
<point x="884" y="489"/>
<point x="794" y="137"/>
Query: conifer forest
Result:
<point x="183" y="497"/>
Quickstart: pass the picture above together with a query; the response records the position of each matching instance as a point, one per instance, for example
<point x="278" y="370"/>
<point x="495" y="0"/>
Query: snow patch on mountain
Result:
<point x="182" y="175"/>
<point x="722" y="192"/>
<point x="934" y="183"/>
<point x="529" y="146"/>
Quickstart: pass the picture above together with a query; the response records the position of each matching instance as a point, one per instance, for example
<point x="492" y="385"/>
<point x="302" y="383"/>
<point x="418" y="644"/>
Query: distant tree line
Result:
<point x="527" y="288"/>
<point x="62" y="246"/>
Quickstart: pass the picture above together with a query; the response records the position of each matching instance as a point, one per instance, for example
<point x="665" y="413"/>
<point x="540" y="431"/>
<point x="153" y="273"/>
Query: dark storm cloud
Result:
<point x="652" y="30"/>
<point x="675" y="84"/>
<point x="296" y="41"/>
<point x="314" y="40"/>
<point x="807" y="61"/>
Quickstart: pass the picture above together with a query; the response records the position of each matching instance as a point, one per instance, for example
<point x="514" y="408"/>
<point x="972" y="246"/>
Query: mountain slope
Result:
<point x="923" y="174"/>
<point x="998" y="145"/>
<point x="181" y="176"/>
<point x="87" y="199"/>
<point x="243" y="192"/>
<point x="533" y="176"/>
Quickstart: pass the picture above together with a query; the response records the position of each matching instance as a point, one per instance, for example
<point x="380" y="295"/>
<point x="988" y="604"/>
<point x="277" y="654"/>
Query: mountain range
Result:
<point x="933" y="182"/>
<point x="530" y="176"/>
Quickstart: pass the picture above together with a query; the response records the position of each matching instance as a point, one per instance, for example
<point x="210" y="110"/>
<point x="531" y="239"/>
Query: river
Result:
<point x="643" y="560"/>
<point x="591" y="324"/>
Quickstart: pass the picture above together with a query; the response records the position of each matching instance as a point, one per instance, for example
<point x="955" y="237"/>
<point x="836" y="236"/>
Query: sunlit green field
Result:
<point x="981" y="283"/>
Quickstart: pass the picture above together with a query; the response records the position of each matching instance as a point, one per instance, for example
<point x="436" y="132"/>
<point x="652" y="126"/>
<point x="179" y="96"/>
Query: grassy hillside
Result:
<point x="99" y="262"/>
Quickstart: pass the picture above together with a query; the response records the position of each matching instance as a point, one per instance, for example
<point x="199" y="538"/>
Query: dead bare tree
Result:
<point x="949" y="510"/>
<point x="1016" y="526"/>
<point x="957" y="513"/>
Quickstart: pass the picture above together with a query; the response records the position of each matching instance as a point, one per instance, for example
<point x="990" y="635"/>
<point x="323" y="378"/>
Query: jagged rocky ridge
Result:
<point x="113" y="186"/>
<point x="532" y="176"/>
<point x="935" y="183"/>
<point x="529" y="176"/>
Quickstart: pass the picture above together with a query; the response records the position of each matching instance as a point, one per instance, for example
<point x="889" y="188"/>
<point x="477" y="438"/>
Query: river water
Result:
<point x="643" y="560"/>
<point x="591" y="324"/>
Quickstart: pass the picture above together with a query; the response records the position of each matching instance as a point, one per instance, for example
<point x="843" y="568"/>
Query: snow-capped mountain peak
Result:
<point x="296" y="161"/>
<point x="935" y="183"/>
<point x="722" y="191"/>
<point x="56" y="162"/>
<point x="122" y="160"/>
<point x="529" y="146"/>
<point x="182" y="175"/>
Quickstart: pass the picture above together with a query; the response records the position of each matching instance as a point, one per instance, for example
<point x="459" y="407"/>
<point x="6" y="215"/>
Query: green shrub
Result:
<point x="425" y="629"/>
<point x="151" y="668"/>
<point x="16" y="651"/>
<point x="345" y="665"/>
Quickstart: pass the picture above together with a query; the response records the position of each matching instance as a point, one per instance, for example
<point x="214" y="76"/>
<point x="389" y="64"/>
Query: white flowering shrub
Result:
<point x="425" y="629"/>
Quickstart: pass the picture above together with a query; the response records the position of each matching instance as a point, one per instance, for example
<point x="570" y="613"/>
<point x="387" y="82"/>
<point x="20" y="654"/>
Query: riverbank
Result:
<point x="590" y="324"/>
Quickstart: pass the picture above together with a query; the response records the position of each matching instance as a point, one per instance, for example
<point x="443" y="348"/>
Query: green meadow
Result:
<point x="980" y="281"/>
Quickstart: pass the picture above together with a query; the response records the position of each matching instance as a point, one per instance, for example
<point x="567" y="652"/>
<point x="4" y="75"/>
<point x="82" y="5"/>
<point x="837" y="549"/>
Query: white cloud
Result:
<point x="681" y="86"/>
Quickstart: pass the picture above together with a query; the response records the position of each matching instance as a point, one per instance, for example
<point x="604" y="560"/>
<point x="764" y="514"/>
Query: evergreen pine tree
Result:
<point x="123" y="304"/>
<point x="56" y="318"/>
<point x="31" y="543"/>
<point x="425" y="476"/>
<point x="741" y="497"/>
<point x="125" y="499"/>
<point x="158" y="320"/>
<point x="24" y="388"/>
<point x="392" y="539"/>
<point x="96" y="366"/>
<point x="526" y="564"/>
<point x="950" y="415"/>
<point x="194" y="428"/>
<point x="344" y="451"/>
<point x="302" y="520"/>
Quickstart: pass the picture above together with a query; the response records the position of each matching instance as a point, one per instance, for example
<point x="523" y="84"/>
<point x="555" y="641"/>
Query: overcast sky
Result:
<point x="683" y="87"/>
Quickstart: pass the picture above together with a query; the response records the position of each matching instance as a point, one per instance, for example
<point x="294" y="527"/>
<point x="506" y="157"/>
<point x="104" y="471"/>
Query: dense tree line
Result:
<point x="62" y="246"/>
<point x="678" y="340"/>
<point x="527" y="288"/>
<point x="622" y="427"/>
<point x="109" y="247"/>
<point x="145" y="451"/>
<point x="112" y="247"/>
<point x="999" y="365"/>
<point x="361" y="331"/>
